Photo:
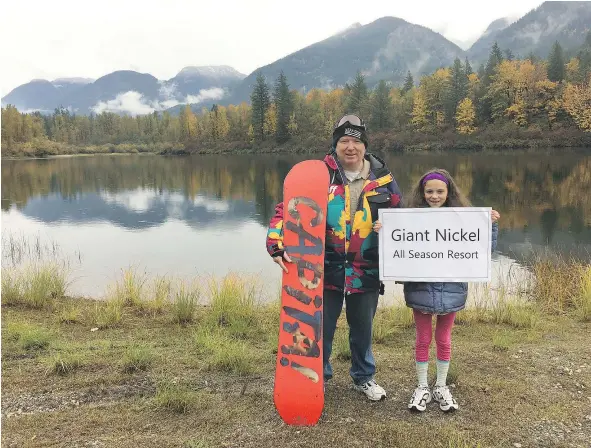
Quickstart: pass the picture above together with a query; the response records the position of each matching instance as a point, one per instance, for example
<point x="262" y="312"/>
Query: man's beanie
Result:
<point x="347" y="128"/>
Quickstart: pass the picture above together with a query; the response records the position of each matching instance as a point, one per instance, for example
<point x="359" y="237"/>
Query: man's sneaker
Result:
<point x="373" y="391"/>
<point x="420" y="397"/>
<point x="442" y="395"/>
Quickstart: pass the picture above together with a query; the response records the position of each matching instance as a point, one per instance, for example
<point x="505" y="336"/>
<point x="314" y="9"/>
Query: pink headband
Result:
<point x="435" y="176"/>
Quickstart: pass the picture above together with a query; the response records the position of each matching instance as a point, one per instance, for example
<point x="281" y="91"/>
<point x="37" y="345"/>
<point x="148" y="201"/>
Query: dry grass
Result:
<point x="151" y="382"/>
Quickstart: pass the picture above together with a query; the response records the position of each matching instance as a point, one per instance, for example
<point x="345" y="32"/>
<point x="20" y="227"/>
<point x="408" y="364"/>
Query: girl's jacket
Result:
<point x="441" y="298"/>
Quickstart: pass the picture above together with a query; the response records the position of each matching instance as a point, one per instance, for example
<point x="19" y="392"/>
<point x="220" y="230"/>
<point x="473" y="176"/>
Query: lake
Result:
<point x="207" y="215"/>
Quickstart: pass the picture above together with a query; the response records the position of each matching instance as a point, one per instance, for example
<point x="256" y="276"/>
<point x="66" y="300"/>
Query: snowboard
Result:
<point x="299" y="382"/>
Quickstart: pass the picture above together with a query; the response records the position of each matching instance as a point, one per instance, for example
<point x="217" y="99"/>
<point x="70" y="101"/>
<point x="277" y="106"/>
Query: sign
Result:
<point x="447" y="244"/>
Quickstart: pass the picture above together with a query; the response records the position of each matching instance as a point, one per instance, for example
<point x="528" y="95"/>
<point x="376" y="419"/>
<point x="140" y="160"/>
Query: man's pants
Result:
<point x="360" y="309"/>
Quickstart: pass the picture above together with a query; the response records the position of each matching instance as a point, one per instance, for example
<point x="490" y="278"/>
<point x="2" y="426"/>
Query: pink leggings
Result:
<point x="442" y="336"/>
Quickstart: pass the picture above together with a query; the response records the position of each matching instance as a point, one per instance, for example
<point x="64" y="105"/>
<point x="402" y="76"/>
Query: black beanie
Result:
<point x="349" y="129"/>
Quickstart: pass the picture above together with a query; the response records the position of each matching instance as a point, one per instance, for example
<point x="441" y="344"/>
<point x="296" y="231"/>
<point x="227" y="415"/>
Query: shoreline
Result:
<point x="485" y="142"/>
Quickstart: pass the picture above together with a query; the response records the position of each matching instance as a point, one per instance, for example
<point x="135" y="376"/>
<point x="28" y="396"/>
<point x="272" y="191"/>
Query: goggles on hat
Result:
<point x="351" y="119"/>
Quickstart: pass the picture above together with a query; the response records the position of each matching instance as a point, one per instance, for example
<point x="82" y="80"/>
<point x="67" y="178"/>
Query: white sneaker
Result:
<point x="420" y="397"/>
<point x="372" y="390"/>
<point x="442" y="395"/>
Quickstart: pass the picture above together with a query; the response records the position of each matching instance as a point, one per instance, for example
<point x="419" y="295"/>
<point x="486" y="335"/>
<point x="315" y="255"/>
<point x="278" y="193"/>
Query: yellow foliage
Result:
<point x="270" y="125"/>
<point x="465" y="116"/>
<point x="573" y="72"/>
<point x="517" y="112"/>
<point x="419" y="111"/>
<point x="577" y="102"/>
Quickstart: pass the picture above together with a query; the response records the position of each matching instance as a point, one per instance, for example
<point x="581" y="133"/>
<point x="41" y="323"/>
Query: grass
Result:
<point x="233" y="305"/>
<point x="185" y="303"/>
<point x="174" y="397"/>
<point x="63" y="364"/>
<point x="107" y="314"/>
<point x="137" y="359"/>
<point x="221" y="352"/>
<point x="149" y="381"/>
<point x="28" y="336"/>
<point x="34" y="285"/>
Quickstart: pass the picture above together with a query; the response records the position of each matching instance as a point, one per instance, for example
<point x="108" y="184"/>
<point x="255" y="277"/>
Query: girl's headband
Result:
<point x="435" y="176"/>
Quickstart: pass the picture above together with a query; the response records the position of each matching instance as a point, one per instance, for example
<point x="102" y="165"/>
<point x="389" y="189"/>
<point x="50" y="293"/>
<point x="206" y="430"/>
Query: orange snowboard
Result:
<point x="299" y="382"/>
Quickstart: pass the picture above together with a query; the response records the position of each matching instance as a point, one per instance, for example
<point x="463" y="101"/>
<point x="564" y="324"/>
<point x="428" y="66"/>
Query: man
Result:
<point x="360" y="184"/>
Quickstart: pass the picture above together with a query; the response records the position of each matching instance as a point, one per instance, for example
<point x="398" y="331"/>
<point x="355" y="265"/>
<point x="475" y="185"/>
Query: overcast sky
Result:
<point x="76" y="38"/>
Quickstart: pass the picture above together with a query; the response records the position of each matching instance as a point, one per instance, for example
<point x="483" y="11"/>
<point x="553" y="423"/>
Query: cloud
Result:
<point x="129" y="102"/>
<point x="134" y="103"/>
<point x="214" y="93"/>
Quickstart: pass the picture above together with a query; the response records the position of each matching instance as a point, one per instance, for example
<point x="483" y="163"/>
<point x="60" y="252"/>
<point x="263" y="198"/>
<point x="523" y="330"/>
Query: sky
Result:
<point x="74" y="38"/>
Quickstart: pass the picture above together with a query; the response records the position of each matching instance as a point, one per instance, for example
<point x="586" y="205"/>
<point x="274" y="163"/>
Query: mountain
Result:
<point x="43" y="95"/>
<point x="126" y="91"/>
<point x="384" y="49"/>
<point x="566" y="22"/>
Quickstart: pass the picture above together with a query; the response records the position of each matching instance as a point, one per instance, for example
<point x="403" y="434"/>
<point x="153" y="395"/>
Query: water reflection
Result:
<point x="209" y="213"/>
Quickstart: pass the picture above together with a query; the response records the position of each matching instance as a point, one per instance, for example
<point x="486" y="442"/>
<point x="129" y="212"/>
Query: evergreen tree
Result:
<point x="260" y="101"/>
<point x="484" y="103"/>
<point x="408" y="83"/>
<point x="457" y="91"/>
<point x="358" y="96"/>
<point x="381" y="106"/>
<point x="284" y="106"/>
<point x="556" y="70"/>
<point x="467" y="68"/>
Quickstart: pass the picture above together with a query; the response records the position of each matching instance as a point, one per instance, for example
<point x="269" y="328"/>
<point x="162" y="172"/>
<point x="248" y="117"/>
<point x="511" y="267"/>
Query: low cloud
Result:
<point x="129" y="102"/>
<point x="214" y="93"/>
<point x="134" y="103"/>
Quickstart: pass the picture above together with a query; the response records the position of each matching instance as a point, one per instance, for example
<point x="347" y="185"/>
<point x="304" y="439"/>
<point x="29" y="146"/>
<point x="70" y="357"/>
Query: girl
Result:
<point x="436" y="188"/>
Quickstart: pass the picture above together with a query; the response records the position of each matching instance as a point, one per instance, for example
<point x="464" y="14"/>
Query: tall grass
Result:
<point x="34" y="273"/>
<point x="185" y="303"/>
<point x="233" y="305"/>
<point x="562" y="284"/>
<point x="129" y="288"/>
<point x="34" y="285"/>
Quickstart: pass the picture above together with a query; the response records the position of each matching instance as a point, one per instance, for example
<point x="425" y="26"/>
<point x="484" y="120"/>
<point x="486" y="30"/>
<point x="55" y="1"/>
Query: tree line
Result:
<point x="528" y="93"/>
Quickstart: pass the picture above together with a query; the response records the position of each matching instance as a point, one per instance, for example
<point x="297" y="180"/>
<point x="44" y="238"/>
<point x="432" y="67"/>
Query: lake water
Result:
<point x="207" y="215"/>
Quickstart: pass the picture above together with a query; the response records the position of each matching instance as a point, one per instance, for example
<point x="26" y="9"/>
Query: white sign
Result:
<point x="447" y="244"/>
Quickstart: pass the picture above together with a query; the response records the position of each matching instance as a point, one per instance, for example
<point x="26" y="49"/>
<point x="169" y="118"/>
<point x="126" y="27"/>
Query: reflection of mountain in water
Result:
<point x="139" y="209"/>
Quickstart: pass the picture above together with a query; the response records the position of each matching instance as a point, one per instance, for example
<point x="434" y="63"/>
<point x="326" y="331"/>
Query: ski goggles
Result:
<point x="351" y="119"/>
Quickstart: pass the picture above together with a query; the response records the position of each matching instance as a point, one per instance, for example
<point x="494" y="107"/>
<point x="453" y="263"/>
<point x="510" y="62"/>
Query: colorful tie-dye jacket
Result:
<point x="351" y="260"/>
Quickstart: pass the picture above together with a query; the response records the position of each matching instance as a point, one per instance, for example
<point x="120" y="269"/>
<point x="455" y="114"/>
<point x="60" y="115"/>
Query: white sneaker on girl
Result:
<point x="443" y="396"/>
<point x="420" y="397"/>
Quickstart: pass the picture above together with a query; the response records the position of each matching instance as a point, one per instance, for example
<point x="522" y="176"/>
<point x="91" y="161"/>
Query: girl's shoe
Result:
<point x="420" y="397"/>
<point x="442" y="395"/>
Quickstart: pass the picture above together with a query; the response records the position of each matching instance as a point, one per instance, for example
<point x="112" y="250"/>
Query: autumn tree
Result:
<point x="465" y="117"/>
<point x="420" y="111"/>
<point x="577" y="103"/>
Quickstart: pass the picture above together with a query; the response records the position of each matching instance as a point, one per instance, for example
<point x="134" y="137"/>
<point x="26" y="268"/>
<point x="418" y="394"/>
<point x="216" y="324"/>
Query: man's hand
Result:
<point x="279" y="261"/>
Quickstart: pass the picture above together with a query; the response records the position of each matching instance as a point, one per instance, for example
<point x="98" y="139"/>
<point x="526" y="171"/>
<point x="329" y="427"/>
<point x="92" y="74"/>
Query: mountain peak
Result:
<point x="210" y="71"/>
<point x="74" y="80"/>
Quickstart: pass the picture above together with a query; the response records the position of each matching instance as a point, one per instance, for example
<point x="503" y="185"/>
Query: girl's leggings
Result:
<point x="442" y="335"/>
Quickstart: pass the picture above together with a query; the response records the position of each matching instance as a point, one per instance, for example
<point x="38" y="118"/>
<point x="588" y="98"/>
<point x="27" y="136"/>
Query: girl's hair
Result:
<point x="455" y="198"/>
